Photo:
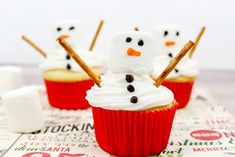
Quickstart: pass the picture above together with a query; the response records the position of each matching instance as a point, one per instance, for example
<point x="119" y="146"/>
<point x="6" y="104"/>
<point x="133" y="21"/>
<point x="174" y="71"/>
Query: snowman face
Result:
<point x="132" y="52"/>
<point x="168" y="37"/>
<point x="73" y="30"/>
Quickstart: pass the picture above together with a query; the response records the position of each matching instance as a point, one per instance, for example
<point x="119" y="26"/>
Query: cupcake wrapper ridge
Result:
<point x="133" y="133"/>
<point x="182" y="91"/>
<point x="68" y="95"/>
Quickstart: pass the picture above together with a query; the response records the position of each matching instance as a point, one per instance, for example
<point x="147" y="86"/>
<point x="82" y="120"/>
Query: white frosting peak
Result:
<point x="186" y="67"/>
<point x="114" y="95"/>
<point x="59" y="60"/>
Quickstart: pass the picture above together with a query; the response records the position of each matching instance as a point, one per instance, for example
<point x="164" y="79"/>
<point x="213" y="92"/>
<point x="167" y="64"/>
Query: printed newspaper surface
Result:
<point x="201" y="129"/>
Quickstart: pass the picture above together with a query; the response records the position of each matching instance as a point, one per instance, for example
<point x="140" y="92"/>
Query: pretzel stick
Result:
<point x="136" y="29"/>
<point x="197" y="41"/>
<point x="27" y="40"/>
<point x="76" y="57"/>
<point x="173" y="63"/>
<point x="96" y="35"/>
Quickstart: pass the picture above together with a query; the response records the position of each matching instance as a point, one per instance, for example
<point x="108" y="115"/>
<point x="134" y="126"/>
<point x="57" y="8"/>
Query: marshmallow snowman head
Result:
<point x="132" y="52"/>
<point x="73" y="30"/>
<point x="168" y="38"/>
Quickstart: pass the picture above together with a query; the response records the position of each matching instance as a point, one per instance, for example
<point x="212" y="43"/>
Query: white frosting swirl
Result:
<point x="186" y="67"/>
<point x="113" y="93"/>
<point x="57" y="60"/>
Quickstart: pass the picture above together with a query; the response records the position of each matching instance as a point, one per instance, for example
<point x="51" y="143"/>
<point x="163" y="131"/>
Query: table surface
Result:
<point x="220" y="83"/>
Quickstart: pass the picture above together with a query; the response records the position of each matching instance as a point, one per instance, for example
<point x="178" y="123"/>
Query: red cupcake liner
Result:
<point x="182" y="91"/>
<point x="133" y="133"/>
<point x="68" y="95"/>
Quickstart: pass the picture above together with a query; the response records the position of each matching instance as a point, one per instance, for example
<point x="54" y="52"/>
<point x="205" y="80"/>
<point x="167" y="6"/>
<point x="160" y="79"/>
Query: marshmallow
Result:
<point x="24" y="109"/>
<point x="43" y="96"/>
<point x="11" y="77"/>
<point x="132" y="52"/>
<point x="73" y="29"/>
<point x="168" y="39"/>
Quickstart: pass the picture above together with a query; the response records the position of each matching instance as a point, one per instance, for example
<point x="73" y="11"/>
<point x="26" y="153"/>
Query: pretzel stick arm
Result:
<point x="197" y="42"/>
<point x="76" y="57"/>
<point x="173" y="63"/>
<point x="96" y="35"/>
<point x="27" y="40"/>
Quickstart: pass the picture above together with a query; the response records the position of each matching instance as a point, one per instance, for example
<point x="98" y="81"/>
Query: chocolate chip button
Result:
<point x="170" y="55"/>
<point x="134" y="99"/>
<point x="68" y="66"/>
<point x="68" y="57"/>
<point x="130" y="88"/>
<point x="129" y="78"/>
<point x="176" y="70"/>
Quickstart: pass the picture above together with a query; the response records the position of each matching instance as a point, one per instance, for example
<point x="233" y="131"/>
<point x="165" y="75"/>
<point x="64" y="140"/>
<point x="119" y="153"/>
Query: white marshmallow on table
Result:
<point x="132" y="52"/>
<point x="168" y="39"/>
<point x="75" y="31"/>
<point x="24" y="109"/>
<point x="11" y="77"/>
<point x="43" y="96"/>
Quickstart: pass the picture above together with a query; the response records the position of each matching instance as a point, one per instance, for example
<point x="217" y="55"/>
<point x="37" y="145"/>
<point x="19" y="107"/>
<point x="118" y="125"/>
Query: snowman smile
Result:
<point x="133" y="52"/>
<point x="169" y="43"/>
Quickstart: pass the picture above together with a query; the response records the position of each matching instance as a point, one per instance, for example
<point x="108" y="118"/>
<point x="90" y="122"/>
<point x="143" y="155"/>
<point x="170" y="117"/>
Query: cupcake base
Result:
<point x="182" y="91"/>
<point x="133" y="133"/>
<point x="68" y="95"/>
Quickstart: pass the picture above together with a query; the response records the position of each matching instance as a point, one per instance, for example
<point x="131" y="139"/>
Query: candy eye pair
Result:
<point x="166" y="33"/>
<point x="140" y="42"/>
<point x="70" y="28"/>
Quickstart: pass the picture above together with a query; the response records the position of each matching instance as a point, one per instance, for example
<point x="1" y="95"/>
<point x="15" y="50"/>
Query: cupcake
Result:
<point x="65" y="81"/>
<point x="132" y="117"/>
<point x="181" y="80"/>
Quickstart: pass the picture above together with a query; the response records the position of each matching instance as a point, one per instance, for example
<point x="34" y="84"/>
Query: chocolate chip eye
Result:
<point x="141" y="43"/>
<point x="71" y="28"/>
<point x="165" y="33"/>
<point x="170" y="55"/>
<point x="177" y="33"/>
<point x="128" y="39"/>
<point x="59" y="29"/>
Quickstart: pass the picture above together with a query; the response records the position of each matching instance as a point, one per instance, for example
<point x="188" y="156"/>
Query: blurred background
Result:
<point x="35" y="19"/>
<point x="215" y="53"/>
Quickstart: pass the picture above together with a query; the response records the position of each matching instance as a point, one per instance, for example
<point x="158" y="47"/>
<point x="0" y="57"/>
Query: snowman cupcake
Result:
<point x="132" y="117"/>
<point x="65" y="81"/>
<point x="181" y="80"/>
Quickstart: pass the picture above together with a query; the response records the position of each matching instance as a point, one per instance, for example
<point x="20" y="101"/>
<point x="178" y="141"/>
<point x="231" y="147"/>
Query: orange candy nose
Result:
<point x="169" y="43"/>
<point x="64" y="36"/>
<point x="133" y="52"/>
